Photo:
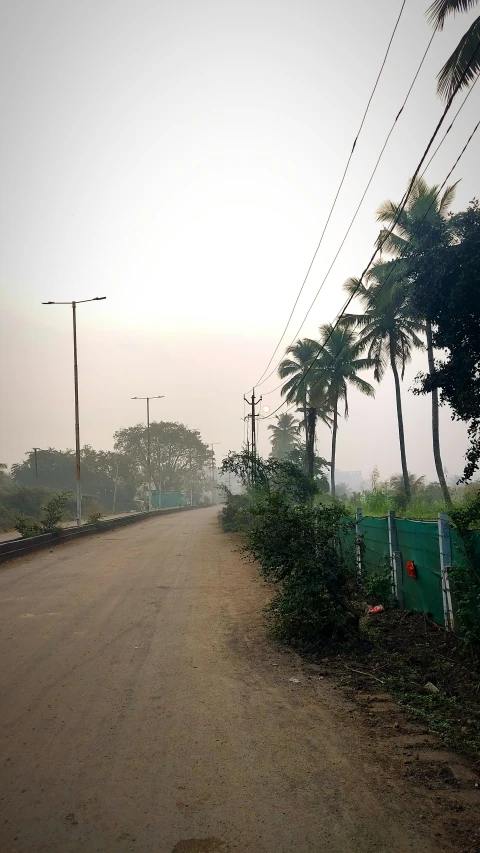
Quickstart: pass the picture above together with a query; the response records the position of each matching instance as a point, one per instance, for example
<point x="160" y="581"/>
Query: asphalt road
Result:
<point x="143" y="709"/>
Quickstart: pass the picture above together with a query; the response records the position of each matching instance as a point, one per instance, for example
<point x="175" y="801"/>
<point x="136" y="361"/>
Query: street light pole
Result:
<point x="36" y="464"/>
<point x="149" y="469"/>
<point x="75" y="379"/>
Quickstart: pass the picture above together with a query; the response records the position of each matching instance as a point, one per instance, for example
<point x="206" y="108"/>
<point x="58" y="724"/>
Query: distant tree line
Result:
<point x="178" y="461"/>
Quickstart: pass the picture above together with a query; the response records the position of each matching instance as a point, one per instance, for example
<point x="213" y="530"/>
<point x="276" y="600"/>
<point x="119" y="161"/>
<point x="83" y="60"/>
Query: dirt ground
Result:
<point x="144" y="709"/>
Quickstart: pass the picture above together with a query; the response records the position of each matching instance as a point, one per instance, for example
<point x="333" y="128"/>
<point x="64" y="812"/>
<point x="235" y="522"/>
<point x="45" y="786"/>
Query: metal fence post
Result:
<point x="358" y="541"/>
<point x="393" y="548"/>
<point x="445" y="548"/>
<point x="397" y="573"/>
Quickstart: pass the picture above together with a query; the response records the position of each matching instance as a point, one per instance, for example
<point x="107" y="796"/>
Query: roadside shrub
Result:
<point x="236" y="514"/>
<point x="27" y="526"/>
<point x="54" y="510"/>
<point x="53" y="513"/>
<point x="378" y="587"/>
<point x="318" y="597"/>
<point x="94" y="518"/>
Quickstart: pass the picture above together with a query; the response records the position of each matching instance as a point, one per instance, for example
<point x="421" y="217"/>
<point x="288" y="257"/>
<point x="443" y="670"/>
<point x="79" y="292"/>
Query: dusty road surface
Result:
<point x="143" y="709"/>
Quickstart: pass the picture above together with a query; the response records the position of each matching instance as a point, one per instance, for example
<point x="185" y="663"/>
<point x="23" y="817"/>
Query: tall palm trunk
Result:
<point x="435" y="427"/>
<point x="334" y="445"/>
<point x="401" y="434"/>
<point x="310" y="424"/>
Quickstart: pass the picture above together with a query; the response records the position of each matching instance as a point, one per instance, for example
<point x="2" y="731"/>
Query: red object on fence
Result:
<point x="411" y="570"/>
<point x="378" y="608"/>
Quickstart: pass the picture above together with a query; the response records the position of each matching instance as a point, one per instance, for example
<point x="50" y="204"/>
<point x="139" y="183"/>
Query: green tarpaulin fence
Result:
<point x="419" y="563"/>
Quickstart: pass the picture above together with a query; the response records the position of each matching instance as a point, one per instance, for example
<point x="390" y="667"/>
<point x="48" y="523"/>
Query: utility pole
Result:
<point x="212" y="444"/>
<point x="115" y="489"/>
<point x="190" y="472"/>
<point x="36" y="465"/>
<point x="149" y="467"/>
<point x="253" y="403"/>
<point x="75" y="382"/>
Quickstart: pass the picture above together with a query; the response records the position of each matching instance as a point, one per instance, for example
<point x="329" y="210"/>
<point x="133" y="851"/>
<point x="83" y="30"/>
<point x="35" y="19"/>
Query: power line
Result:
<point x="337" y="193"/>
<point x="386" y="234"/>
<point x="451" y="125"/>
<point x="354" y="215"/>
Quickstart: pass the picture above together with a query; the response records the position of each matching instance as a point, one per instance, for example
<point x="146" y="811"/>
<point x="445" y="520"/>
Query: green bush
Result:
<point x="27" y="527"/>
<point x="378" y="587"/>
<point x="318" y="597"/>
<point x="94" y="518"/>
<point x="236" y="514"/>
<point x="53" y="513"/>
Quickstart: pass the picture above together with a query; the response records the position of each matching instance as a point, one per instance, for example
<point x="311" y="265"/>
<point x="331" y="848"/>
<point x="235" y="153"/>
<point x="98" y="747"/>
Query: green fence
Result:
<point x="418" y="554"/>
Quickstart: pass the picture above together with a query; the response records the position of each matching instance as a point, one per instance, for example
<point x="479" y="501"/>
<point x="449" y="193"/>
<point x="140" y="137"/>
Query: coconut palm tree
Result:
<point x="387" y="332"/>
<point x="417" y="486"/>
<point x="420" y="225"/>
<point x="284" y="436"/>
<point x="338" y="367"/>
<point x="464" y="64"/>
<point x="297" y="389"/>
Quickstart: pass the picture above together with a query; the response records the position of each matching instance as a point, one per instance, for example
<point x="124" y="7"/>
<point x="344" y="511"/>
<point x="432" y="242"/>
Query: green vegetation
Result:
<point x="296" y="542"/>
<point x="53" y="512"/>
<point x="463" y="66"/>
<point x="179" y="460"/>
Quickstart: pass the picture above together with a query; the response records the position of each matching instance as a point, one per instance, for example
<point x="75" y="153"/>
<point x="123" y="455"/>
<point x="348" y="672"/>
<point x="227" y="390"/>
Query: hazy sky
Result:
<point x="181" y="158"/>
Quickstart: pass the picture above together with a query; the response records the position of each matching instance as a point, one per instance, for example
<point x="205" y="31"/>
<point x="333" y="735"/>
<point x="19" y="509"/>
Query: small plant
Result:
<point x="94" y="518"/>
<point x="53" y="512"/>
<point x="378" y="587"/>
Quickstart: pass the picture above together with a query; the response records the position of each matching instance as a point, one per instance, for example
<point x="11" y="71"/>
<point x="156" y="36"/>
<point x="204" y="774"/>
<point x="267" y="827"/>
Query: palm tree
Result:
<point x="284" y="436"/>
<point x="464" y="64"/>
<point x="388" y="333"/>
<point x="338" y="366"/>
<point x="417" y="486"/>
<point x="300" y="370"/>
<point x="422" y="223"/>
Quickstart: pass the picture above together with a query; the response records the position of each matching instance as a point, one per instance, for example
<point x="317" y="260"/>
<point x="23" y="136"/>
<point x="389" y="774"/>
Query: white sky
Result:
<point x="180" y="159"/>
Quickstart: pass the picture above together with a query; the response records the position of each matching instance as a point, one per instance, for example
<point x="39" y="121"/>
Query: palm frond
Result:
<point x="363" y="386"/>
<point x="463" y="66"/>
<point x="440" y="9"/>
<point x="447" y="198"/>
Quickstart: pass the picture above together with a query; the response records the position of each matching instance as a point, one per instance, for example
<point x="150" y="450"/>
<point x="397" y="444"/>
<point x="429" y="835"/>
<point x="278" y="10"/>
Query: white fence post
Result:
<point x="393" y="548"/>
<point x="358" y="541"/>
<point x="445" y="548"/>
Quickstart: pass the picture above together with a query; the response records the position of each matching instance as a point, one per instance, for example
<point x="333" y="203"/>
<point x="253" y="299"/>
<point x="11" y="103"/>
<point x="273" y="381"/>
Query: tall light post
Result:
<point x="212" y="445"/>
<point x="75" y="379"/>
<point x="36" y="465"/>
<point x="158" y="397"/>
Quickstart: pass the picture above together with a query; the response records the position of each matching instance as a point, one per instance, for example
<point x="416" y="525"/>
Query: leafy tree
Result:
<point x="338" y="366"/>
<point x="423" y="223"/>
<point x="270" y="475"/>
<point x="298" y="389"/>
<point x="446" y="291"/>
<point x="463" y="65"/>
<point x="178" y="455"/>
<point x="284" y="436"/>
<point x="56" y="470"/>
<point x="387" y="333"/>
<point x="320" y="467"/>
